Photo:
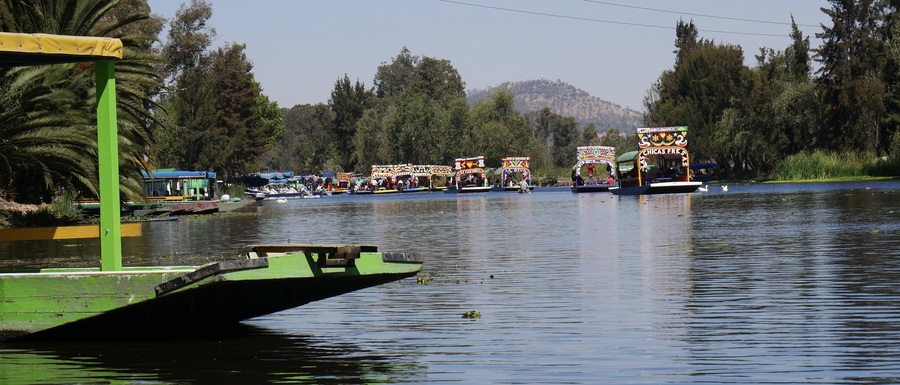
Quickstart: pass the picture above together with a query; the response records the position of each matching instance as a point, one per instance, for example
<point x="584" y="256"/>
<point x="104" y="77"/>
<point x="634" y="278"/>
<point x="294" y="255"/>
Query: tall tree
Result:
<point x="189" y="37"/>
<point x="707" y="79"/>
<point x="565" y="140"/>
<point x="188" y="103"/>
<point x="307" y="143"/>
<point x="415" y="131"/>
<point x="589" y="135"/>
<point x="240" y="134"/>
<point x="499" y="130"/>
<point x="219" y="118"/>
<point x="892" y="78"/>
<point x="420" y="128"/>
<point x="798" y="60"/>
<point x="371" y="144"/>
<point x="850" y="77"/>
<point x="437" y="79"/>
<point x="620" y="140"/>
<point x="392" y="79"/>
<point x="416" y="114"/>
<point x="348" y="102"/>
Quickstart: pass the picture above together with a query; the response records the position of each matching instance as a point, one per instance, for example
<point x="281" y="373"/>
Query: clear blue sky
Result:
<point x="613" y="49"/>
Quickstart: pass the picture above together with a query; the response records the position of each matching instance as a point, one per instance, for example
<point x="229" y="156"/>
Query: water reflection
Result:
<point x="785" y="283"/>
<point x="251" y="355"/>
<point x="791" y="284"/>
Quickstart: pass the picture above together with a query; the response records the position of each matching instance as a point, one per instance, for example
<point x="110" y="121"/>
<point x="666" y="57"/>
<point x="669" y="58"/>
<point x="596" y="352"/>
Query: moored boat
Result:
<point x="342" y="184"/>
<point x="277" y="191"/>
<point x="407" y="179"/>
<point x="700" y="172"/>
<point x="470" y="176"/>
<point x="589" y="157"/>
<point x="116" y="302"/>
<point x="162" y="301"/>
<point x="169" y="184"/>
<point x="660" y="166"/>
<point x="438" y="175"/>
<point x="515" y="173"/>
<point x="382" y="179"/>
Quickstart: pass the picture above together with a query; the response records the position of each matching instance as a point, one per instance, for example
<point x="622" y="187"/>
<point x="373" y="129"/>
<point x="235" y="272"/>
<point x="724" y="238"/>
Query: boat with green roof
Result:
<point x="660" y="166"/>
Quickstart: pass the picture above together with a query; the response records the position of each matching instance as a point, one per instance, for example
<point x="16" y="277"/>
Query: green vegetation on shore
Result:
<point x="62" y="211"/>
<point x="833" y="166"/>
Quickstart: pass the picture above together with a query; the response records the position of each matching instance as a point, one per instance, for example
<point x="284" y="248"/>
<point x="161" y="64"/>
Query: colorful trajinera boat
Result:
<point x="342" y="182"/>
<point x="116" y="302"/>
<point x="470" y="176"/>
<point x="589" y="157"/>
<point x="382" y="181"/>
<point x="423" y="177"/>
<point x="438" y="175"/>
<point x="514" y="173"/>
<point x="660" y="166"/>
<point x="408" y="180"/>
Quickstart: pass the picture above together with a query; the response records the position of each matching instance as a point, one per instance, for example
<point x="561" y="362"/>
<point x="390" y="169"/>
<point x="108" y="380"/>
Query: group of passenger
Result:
<point x="387" y="184"/>
<point x="669" y="171"/>
<point x="510" y="182"/>
<point x="474" y="180"/>
<point x="580" y="181"/>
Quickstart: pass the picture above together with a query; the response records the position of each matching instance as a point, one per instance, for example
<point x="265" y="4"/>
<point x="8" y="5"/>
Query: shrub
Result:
<point x="831" y="165"/>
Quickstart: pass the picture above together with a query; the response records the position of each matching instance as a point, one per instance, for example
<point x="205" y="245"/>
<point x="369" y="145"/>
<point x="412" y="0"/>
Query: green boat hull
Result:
<point x="87" y="304"/>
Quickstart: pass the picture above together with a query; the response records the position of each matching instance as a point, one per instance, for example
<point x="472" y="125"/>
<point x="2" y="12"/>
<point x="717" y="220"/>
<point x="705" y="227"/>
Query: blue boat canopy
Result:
<point x="171" y="173"/>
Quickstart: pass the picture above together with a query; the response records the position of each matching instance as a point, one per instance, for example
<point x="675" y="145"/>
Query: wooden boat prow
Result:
<point x="168" y="301"/>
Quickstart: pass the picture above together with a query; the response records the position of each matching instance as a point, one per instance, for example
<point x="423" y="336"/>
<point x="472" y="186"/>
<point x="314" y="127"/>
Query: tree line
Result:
<point x="189" y="105"/>
<point x="749" y="120"/>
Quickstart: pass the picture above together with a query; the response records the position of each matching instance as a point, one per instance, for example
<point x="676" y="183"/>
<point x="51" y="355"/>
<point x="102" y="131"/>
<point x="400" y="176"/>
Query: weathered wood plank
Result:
<point x="64" y="232"/>
<point x="209" y="271"/>
<point x="263" y="250"/>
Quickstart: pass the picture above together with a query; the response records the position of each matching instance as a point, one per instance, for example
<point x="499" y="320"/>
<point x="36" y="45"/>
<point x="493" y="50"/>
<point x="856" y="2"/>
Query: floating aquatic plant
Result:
<point x="472" y="314"/>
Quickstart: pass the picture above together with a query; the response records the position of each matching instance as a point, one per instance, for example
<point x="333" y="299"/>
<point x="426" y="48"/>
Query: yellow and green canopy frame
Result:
<point x="17" y="49"/>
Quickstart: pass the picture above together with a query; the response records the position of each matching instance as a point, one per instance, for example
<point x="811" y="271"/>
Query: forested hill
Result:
<point x="566" y="100"/>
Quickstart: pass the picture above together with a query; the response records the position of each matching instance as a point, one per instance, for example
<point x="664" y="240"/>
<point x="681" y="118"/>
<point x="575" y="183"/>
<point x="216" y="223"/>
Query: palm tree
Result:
<point x="47" y="113"/>
<point x="45" y="136"/>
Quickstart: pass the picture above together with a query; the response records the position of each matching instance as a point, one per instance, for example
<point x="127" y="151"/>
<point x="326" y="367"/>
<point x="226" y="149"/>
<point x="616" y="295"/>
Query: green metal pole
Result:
<point x="108" y="151"/>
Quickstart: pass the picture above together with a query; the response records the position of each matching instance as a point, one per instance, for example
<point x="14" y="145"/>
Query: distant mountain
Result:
<point x="566" y="100"/>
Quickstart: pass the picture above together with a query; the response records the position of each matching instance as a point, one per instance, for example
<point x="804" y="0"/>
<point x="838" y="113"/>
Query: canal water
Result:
<point x="762" y="284"/>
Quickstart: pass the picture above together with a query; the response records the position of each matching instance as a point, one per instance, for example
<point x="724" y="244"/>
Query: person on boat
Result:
<point x="591" y="172"/>
<point x="610" y="180"/>
<point x="523" y="185"/>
